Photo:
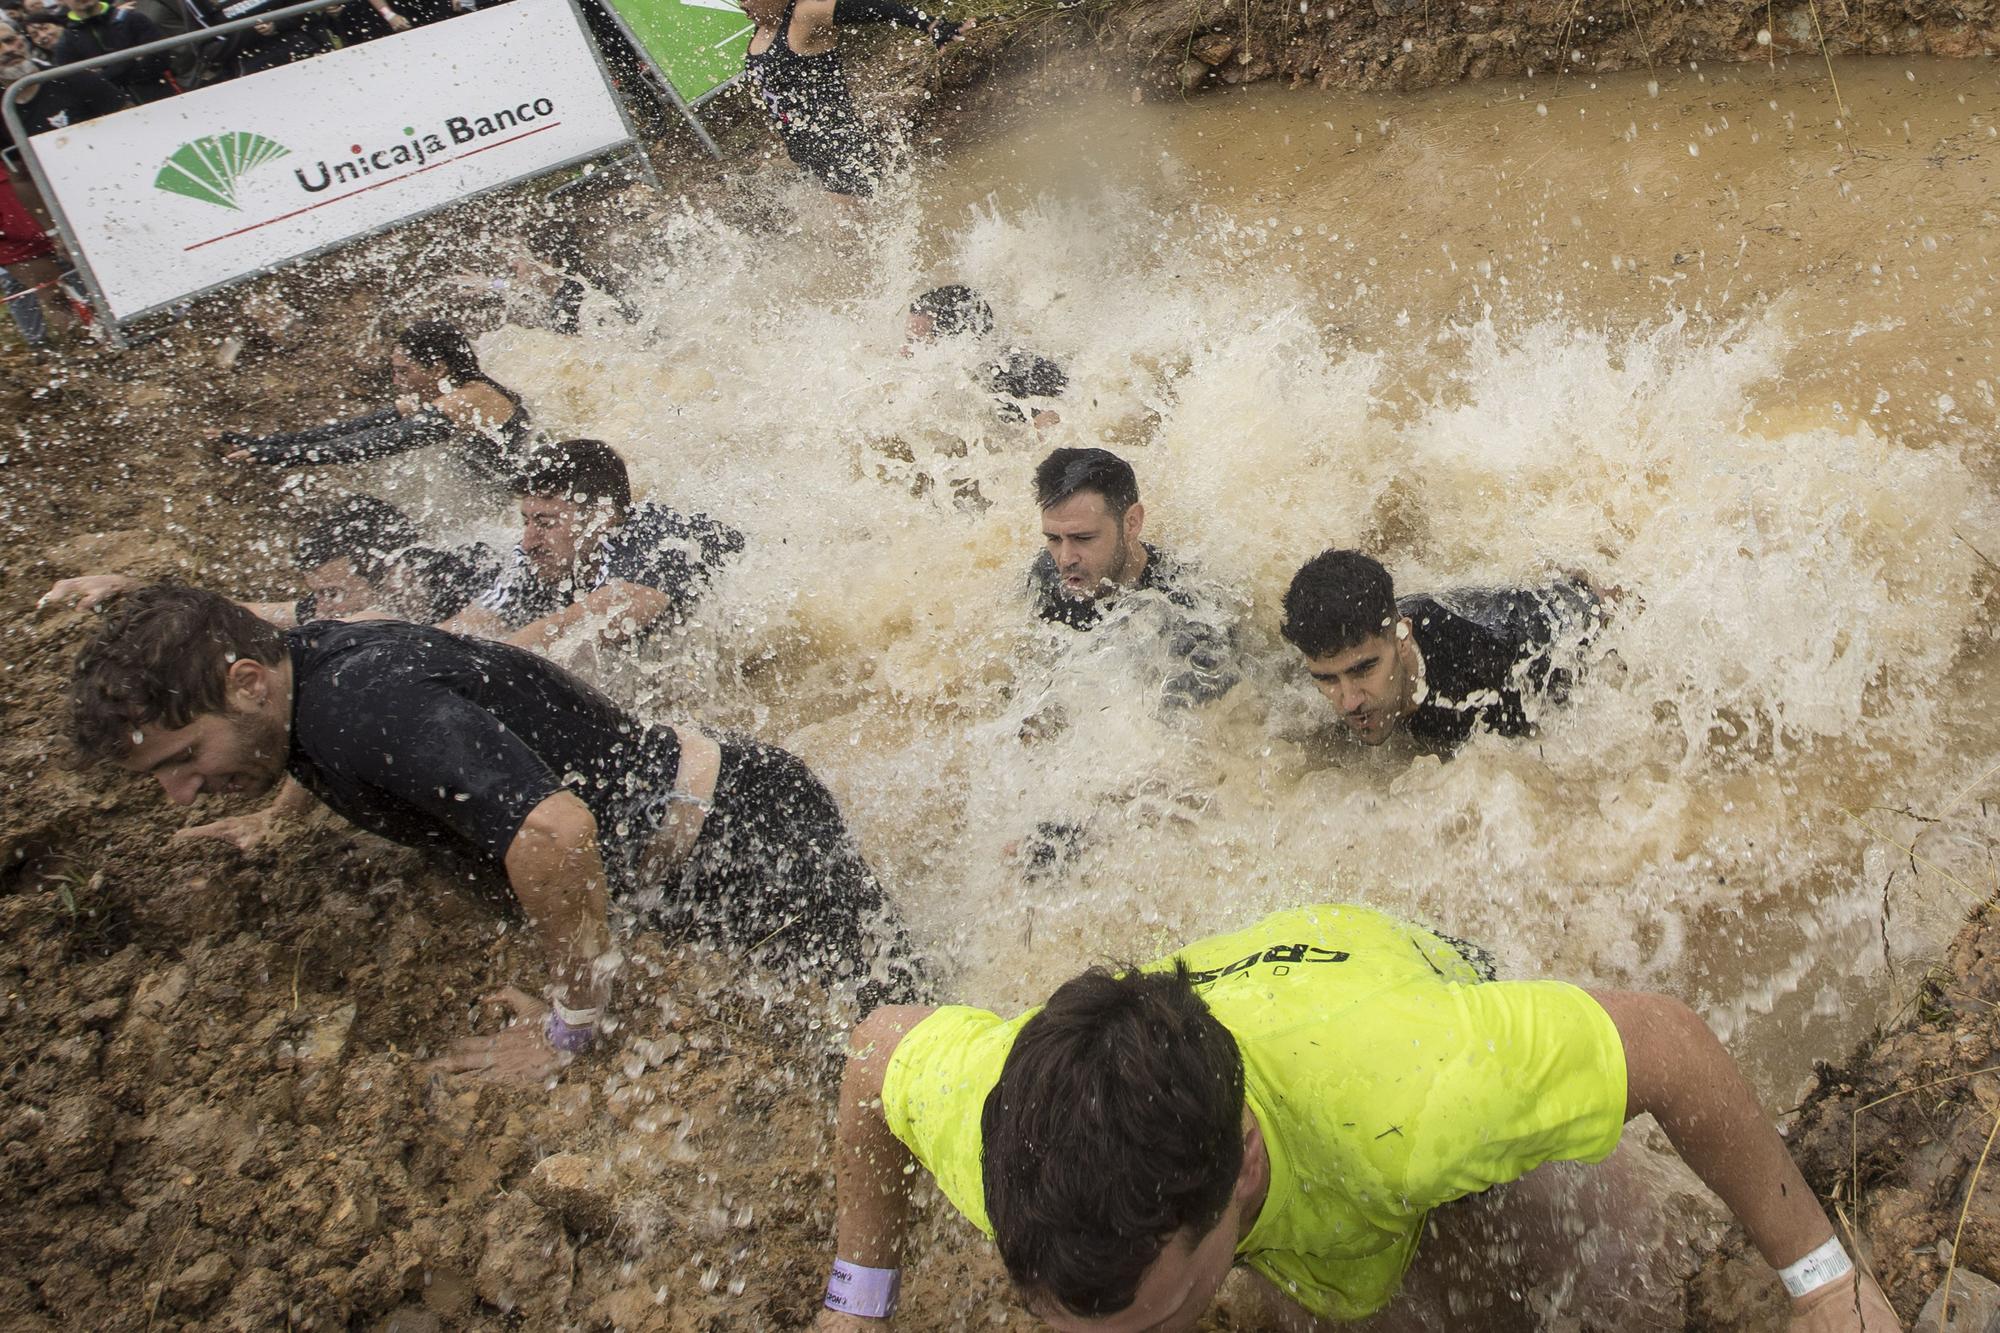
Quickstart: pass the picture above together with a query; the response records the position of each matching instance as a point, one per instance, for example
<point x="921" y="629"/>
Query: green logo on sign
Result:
<point x="208" y="168"/>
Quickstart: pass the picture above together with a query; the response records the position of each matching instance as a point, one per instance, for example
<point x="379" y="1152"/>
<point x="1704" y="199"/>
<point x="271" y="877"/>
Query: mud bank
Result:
<point x="1182" y="45"/>
<point x="1897" y="1140"/>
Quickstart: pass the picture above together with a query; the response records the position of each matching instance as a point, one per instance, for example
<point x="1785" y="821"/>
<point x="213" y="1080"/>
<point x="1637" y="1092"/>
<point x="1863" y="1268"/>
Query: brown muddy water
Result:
<point x="1714" y="335"/>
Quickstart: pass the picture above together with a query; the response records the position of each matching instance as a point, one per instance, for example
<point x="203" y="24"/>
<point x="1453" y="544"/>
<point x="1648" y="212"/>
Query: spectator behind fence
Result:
<point x="59" y="103"/>
<point x="93" y="28"/>
<point x="43" y="33"/>
<point x="267" y="45"/>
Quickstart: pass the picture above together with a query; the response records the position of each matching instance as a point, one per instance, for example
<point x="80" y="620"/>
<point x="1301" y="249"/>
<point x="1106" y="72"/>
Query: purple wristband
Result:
<point x="868" y="1292"/>
<point x="565" y="1038"/>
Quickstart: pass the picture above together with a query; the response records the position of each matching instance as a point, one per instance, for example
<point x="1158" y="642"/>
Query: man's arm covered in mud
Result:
<point x="871" y="1165"/>
<point x="1680" y="1074"/>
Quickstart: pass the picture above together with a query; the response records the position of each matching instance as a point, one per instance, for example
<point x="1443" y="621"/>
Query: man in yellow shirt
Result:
<point x="1296" y="1097"/>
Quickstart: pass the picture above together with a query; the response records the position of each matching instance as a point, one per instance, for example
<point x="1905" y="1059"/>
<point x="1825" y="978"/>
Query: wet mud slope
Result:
<point x="1898" y="1140"/>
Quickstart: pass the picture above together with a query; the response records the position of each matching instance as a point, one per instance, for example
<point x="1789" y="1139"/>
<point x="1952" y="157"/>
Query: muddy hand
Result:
<point x="246" y="833"/>
<point x="88" y="590"/>
<point x="1854" y="1304"/>
<point x="521" y="1054"/>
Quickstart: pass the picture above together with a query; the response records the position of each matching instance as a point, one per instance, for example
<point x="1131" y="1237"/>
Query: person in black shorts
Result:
<point x="1015" y="376"/>
<point x="481" y="748"/>
<point x="1436" y="667"/>
<point x="445" y="398"/>
<point x="794" y="67"/>
<point x="366" y="555"/>
<point x="590" y="556"/>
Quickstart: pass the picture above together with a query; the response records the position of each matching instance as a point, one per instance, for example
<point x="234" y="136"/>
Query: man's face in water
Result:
<point x="557" y="534"/>
<point x="1373" y="684"/>
<point x="1175" y="1292"/>
<point x="338" y="588"/>
<point x="240" y="752"/>
<point x="1094" y="549"/>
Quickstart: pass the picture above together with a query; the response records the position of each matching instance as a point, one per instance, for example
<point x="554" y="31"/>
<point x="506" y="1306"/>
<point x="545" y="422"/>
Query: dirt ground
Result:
<point x="214" y="1108"/>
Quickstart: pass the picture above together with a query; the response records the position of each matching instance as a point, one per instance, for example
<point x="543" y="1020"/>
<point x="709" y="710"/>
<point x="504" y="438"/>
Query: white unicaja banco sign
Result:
<point x="195" y="191"/>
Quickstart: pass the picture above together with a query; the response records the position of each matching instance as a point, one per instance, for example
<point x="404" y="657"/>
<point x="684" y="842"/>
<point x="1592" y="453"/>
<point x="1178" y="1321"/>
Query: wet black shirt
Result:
<point x="1485" y="650"/>
<point x="1194" y="633"/>
<point x="656" y="547"/>
<point x="433" y="740"/>
<point x="1019" y="375"/>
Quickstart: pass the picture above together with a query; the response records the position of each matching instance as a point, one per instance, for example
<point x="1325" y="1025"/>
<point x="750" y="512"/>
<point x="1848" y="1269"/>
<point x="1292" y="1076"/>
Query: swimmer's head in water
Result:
<point x="947" y="312"/>
<point x="1091" y="520"/>
<point x="572" y="492"/>
<point x="1341" y="613"/>
<point x="1117" y="1165"/>
<point x="430" y="352"/>
<point x="188" y="688"/>
<point x="344" y="555"/>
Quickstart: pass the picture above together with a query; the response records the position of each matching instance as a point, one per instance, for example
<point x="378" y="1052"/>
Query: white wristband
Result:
<point x="576" y="1018"/>
<point x="1828" y="1263"/>
<point x="869" y="1292"/>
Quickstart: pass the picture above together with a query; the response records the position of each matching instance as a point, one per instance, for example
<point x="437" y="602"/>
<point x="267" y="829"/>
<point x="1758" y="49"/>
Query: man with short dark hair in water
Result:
<point x="1093" y="557"/>
<point x="365" y="555"/>
<point x="1301" y="1097"/>
<point x="1016" y="376"/>
<point x="589" y="555"/>
<point x="437" y="741"/>
<point x="1438" y="667"/>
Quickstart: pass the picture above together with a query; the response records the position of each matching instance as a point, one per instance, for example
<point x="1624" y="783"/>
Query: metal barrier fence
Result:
<point x="98" y="178"/>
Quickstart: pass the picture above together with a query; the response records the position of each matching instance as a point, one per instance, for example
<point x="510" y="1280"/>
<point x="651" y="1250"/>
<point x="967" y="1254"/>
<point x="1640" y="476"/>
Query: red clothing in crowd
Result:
<point x="21" y="237"/>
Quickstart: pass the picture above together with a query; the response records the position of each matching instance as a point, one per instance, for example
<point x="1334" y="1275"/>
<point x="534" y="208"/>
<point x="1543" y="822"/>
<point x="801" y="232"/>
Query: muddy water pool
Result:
<point x="1714" y="335"/>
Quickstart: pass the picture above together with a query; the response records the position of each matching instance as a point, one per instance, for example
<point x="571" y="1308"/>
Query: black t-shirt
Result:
<point x="655" y="546"/>
<point x="430" y="739"/>
<point x="1019" y="375"/>
<point x="1484" y="650"/>
<point x="74" y="98"/>
<point x="1194" y="633"/>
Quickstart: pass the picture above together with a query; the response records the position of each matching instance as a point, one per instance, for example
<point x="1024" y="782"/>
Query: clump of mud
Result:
<point x="1894" y="1141"/>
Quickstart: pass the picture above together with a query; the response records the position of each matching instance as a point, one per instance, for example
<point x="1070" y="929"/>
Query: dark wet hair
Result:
<point x="1338" y="600"/>
<point x="1117" y="1123"/>
<point x="162" y="659"/>
<point x="1068" y="472"/>
<point x="581" y="470"/>
<point x="440" y="343"/>
<point x="435" y="580"/>
<point x="954" y="310"/>
<point x="361" y="527"/>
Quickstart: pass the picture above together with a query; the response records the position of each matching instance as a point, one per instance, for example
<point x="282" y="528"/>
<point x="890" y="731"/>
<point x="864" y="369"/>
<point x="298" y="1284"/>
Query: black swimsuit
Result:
<point x="808" y="100"/>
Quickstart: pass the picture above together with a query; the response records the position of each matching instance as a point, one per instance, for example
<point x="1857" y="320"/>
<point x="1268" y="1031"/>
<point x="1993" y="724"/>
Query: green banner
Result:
<point x="697" y="45"/>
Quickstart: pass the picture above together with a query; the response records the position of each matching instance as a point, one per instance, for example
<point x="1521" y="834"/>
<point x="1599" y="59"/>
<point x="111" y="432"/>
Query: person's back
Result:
<point x="418" y="685"/>
<point x="101" y="29"/>
<point x="1487" y="652"/>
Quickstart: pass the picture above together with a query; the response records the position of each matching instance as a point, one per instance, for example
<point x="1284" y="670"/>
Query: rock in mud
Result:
<point x="576" y="1189"/>
<point x="528" y="1264"/>
<point x="197" y="1286"/>
<point x="1975" y="1306"/>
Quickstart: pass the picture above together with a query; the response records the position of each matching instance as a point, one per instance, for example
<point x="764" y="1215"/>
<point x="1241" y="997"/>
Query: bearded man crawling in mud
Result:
<point x="1344" y="1103"/>
<point x="433" y="740"/>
